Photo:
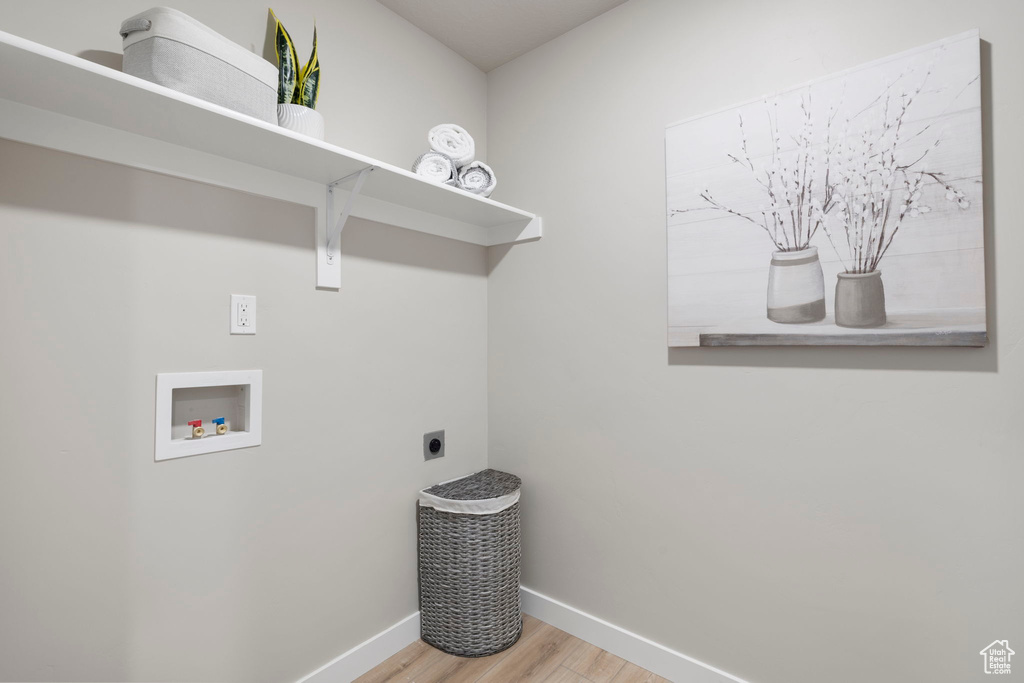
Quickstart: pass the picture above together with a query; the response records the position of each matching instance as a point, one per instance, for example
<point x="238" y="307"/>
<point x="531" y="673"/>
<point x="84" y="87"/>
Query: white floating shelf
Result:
<point x="56" y="100"/>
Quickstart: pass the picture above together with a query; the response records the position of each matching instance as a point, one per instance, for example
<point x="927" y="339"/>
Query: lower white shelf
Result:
<point x="206" y="412"/>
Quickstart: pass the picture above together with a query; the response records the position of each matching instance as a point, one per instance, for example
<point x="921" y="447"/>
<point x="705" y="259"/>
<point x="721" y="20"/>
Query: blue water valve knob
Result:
<point x="221" y="427"/>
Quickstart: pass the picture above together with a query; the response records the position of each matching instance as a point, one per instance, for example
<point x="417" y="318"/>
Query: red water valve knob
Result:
<point x="197" y="429"/>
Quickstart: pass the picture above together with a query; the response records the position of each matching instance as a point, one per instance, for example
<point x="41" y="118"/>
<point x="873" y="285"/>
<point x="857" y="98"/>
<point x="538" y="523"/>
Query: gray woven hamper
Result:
<point x="469" y="564"/>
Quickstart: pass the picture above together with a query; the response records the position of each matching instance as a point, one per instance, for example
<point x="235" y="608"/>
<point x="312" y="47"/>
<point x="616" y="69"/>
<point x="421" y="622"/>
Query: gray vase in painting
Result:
<point x="796" y="287"/>
<point x="860" y="300"/>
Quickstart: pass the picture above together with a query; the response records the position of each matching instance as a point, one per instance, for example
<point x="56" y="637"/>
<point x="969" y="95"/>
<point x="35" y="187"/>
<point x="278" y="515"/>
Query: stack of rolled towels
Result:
<point x="450" y="161"/>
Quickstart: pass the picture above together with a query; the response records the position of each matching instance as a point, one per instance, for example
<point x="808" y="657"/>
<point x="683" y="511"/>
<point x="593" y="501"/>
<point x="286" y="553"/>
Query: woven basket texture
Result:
<point x="479" y="486"/>
<point x="185" y="69"/>
<point x="469" y="570"/>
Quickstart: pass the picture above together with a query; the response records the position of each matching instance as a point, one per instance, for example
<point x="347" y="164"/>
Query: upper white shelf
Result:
<point x="57" y="100"/>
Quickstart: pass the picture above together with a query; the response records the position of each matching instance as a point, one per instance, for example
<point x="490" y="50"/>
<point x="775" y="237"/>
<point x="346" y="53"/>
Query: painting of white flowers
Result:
<point x="847" y="211"/>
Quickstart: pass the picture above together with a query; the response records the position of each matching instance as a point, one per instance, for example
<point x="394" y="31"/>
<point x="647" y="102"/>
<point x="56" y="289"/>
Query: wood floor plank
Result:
<point x="631" y="673"/>
<point x="593" y="663"/>
<point x="423" y="663"/>
<point x="530" y="626"/>
<point x="564" y="675"/>
<point x="535" y="661"/>
<point x="542" y="654"/>
<point x="393" y="667"/>
<point x="452" y="669"/>
<point x="458" y="669"/>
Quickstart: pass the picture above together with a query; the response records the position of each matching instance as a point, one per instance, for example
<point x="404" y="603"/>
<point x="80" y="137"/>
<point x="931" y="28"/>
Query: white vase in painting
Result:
<point x="301" y="120"/>
<point x="796" y="287"/>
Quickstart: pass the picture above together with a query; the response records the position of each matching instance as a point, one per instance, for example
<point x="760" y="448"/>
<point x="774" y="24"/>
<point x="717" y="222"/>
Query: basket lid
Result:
<point x="481" y="493"/>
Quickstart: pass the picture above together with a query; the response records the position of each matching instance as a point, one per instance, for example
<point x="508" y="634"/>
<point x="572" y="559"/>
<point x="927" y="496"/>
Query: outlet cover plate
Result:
<point x="243" y="314"/>
<point x="427" y="438"/>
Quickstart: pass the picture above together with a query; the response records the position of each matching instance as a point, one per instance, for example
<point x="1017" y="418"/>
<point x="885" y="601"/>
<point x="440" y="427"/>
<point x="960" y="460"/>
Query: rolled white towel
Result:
<point x="437" y="167"/>
<point x="454" y="141"/>
<point x="478" y="178"/>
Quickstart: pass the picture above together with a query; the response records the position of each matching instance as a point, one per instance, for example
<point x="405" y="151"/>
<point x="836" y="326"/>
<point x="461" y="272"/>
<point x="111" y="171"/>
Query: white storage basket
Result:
<point x="169" y="47"/>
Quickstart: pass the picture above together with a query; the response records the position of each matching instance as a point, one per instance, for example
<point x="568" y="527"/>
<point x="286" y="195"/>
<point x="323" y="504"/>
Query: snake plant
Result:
<point x="296" y="85"/>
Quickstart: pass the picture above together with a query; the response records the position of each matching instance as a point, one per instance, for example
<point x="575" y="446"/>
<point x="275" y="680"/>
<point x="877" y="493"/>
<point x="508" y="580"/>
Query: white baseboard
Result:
<point x="667" y="663"/>
<point x="675" y="666"/>
<point x="351" y="665"/>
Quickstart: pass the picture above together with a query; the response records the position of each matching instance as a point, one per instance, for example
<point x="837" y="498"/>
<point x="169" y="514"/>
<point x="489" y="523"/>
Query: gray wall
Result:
<point x="788" y="515"/>
<point x="674" y="494"/>
<point x="253" y="565"/>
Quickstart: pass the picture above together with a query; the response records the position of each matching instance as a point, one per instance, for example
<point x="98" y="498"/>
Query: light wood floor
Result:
<point x="543" y="653"/>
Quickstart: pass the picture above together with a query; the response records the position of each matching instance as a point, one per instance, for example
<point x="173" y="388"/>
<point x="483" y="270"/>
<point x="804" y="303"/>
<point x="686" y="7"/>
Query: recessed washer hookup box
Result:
<point x="205" y="412"/>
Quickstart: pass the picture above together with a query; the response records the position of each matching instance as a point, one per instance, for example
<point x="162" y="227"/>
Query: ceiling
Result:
<point x="489" y="33"/>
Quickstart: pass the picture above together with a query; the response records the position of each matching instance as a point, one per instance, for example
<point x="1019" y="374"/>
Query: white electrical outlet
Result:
<point x="243" y="314"/>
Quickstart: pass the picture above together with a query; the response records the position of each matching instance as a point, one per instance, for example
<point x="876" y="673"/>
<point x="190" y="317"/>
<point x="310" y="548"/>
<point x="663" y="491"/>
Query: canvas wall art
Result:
<point x="847" y="211"/>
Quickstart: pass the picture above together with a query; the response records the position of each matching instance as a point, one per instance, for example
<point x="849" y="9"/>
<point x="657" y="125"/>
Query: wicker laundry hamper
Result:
<point x="469" y="564"/>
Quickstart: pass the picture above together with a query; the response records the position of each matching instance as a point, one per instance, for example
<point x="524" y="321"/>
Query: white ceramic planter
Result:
<point x="796" y="287"/>
<point x="301" y="120"/>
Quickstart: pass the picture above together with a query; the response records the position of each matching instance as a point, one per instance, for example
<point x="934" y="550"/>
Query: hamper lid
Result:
<point x="481" y="493"/>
